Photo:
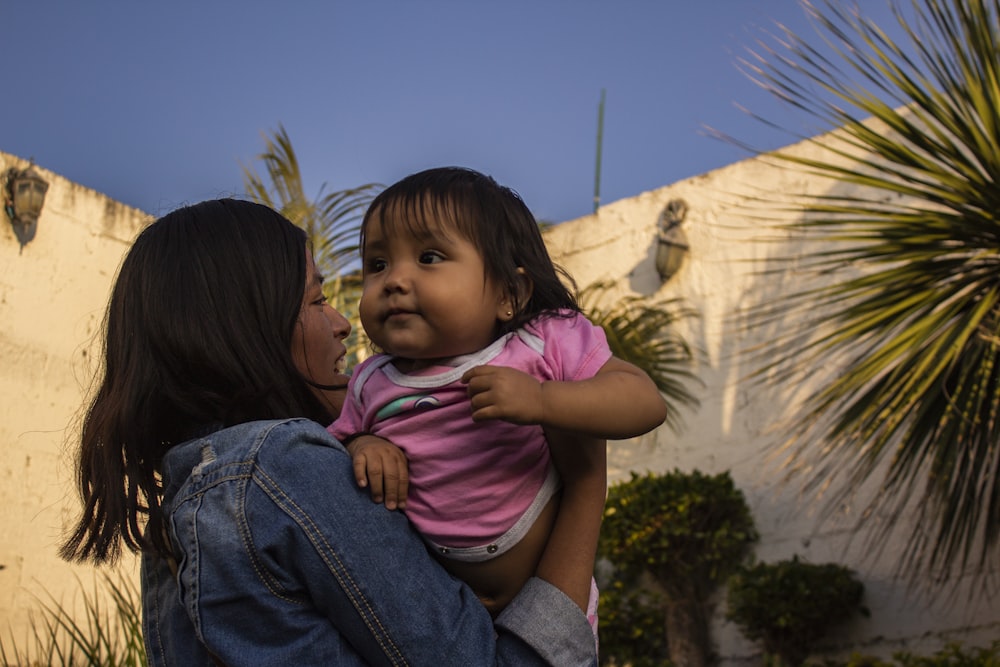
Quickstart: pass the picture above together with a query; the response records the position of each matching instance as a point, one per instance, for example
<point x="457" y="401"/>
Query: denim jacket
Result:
<point x="282" y="560"/>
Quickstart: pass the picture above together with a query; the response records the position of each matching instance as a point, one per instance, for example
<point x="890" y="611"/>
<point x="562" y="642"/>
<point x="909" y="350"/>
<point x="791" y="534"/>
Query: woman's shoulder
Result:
<point x="267" y="436"/>
<point x="248" y="441"/>
<point x="283" y="450"/>
<point x="284" y="443"/>
<point x="253" y="433"/>
<point x="234" y="452"/>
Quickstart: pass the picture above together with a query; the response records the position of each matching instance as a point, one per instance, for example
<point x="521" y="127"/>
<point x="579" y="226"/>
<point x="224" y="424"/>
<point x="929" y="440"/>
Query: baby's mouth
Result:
<point x="397" y="312"/>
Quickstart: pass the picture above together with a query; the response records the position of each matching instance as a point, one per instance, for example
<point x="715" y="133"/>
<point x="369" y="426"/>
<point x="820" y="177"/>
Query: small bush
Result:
<point x="688" y="530"/>
<point x="951" y="655"/>
<point x="858" y="660"/>
<point x="685" y="531"/>
<point x="631" y="624"/>
<point x="790" y="605"/>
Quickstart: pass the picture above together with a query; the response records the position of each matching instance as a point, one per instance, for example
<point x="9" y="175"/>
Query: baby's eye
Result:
<point x="375" y="265"/>
<point x="431" y="257"/>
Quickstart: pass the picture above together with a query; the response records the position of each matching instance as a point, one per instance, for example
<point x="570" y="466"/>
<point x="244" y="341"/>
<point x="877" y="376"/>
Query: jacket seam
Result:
<point x="335" y="565"/>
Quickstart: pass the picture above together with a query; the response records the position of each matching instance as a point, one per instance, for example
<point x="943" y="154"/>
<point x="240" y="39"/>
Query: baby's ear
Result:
<point x="507" y="309"/>
<point x="524" y="286"/>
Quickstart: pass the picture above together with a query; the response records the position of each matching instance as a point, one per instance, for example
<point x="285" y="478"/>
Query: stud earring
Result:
<point x="510" y="313"/>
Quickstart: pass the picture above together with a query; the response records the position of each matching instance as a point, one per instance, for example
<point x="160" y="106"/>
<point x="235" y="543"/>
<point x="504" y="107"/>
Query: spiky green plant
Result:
<point x="917" y="315"/>
<point x="644" y="333"/>
<point x="331" y="221"/>
<point x="109" y="633"/>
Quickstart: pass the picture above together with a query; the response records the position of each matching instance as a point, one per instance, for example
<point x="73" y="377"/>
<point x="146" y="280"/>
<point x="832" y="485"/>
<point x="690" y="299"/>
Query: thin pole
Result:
<point x="600" y="141"/>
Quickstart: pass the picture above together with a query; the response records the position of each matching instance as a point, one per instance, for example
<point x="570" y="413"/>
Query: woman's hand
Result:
<point x="382" y="467"/>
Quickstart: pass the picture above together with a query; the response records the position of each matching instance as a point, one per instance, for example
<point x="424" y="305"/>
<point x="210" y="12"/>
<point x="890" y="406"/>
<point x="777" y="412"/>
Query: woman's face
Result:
<point x="318" y="341"/>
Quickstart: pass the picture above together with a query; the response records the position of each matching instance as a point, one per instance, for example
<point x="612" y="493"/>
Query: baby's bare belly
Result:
<point x="498" y="580"/>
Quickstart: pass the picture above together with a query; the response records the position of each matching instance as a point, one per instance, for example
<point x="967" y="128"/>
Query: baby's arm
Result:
<point x="381" y="466"/>
<point x="620" y="401"/>
<point x="582" y="464"/>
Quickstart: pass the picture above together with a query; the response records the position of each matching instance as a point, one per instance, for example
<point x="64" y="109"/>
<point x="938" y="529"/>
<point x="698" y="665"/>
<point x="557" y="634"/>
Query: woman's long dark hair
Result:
<point x="197" y="335"/>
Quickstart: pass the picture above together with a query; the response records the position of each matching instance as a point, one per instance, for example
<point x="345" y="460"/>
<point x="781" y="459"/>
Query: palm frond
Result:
<point x="644" y="333"/>
<point x="908" y="242"/>
<point x="331" y="221"/>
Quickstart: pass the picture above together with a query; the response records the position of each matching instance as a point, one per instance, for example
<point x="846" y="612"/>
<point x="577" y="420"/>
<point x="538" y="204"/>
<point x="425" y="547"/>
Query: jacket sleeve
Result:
<point x="369" y="572"/>
<point x="168" y="635"/>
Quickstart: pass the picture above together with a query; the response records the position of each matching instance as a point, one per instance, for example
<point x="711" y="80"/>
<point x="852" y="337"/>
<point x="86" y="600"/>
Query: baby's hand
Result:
<point x="381" y="466"/>
<point x="498" y="392"/>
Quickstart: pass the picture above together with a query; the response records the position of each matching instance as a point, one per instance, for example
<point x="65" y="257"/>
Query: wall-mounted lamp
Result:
<point x="671" y="241"/>
<point x="24" y="196"/>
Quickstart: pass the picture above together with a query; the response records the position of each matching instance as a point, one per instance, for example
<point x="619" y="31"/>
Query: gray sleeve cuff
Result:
<point x="546" y="619"/>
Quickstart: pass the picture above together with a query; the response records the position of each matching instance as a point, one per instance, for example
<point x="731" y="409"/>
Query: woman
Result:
<point x="201" y="448"/>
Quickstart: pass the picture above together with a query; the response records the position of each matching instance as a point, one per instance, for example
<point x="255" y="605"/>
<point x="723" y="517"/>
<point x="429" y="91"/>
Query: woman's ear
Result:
<point x="510" y="304"/>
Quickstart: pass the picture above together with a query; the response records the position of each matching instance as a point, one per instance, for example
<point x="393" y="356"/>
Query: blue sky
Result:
<point x="158" y="104"/>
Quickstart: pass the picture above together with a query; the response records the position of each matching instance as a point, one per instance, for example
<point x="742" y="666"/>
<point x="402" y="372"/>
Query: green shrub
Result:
<point x="684" y="531"/>
<point x="632" y="622"/>
<point x="790" y="605"/>
<point x="858" y="660"/>
<point x="951" y="655"/>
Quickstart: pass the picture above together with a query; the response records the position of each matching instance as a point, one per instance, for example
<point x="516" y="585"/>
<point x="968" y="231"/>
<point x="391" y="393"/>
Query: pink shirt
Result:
<point x="475" y="488"/>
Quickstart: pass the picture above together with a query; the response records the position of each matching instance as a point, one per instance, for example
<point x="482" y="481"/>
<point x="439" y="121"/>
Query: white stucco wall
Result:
<point x="53" y="292"/>
<point x="738" y="423"/>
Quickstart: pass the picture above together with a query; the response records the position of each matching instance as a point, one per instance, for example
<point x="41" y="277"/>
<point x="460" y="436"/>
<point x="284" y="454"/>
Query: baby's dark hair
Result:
<point x="494" y="218"/>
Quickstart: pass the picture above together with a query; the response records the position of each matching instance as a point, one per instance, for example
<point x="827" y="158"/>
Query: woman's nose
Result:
<point x="341" y="326"/>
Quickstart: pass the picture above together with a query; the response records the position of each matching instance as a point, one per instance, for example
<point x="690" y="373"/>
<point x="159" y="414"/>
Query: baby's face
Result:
<point x="425" y="292"/>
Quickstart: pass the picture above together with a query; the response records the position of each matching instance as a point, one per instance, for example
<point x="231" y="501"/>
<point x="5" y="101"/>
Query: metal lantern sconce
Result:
<point x="24" y="196"/>
<point x="671" y="241"/>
